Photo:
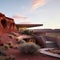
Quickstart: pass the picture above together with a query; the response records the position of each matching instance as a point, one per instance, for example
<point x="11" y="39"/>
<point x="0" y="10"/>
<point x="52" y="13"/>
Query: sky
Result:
<point x="46" y="12"/>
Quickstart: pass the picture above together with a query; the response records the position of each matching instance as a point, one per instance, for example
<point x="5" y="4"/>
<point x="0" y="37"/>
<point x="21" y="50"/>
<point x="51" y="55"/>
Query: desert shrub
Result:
<point x="4" y="47"/>
<point x="11" y="57"/>
<point x="2" y="51"/>
<point x="29" y="48"/>
<point x="10" y="44"/>
<point x="11" y="36"/>
<point x="18" y="41"/>
<point x="14" y="34"/>
<point x="28" y="32"/>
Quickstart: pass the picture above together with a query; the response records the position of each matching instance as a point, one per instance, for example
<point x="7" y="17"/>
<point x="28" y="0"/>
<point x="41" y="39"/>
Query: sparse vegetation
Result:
<point x="3" y="49"/>
<point x="3" y="55"/>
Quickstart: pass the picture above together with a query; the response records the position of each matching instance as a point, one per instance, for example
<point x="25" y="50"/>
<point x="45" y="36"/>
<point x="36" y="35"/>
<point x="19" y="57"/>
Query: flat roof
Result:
<point x="28" y="25"/>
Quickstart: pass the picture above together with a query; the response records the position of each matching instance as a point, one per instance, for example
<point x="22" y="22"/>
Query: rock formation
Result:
<point x="6" y="24"/>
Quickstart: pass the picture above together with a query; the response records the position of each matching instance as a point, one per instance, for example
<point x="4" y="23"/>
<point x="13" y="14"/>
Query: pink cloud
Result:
<point x="38" y="3"/>
<point x="20" y="17"/>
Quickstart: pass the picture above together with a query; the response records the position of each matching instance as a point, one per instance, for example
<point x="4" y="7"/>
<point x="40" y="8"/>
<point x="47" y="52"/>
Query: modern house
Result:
<point x="24" y="26"/>
<point x="11" y="37"/>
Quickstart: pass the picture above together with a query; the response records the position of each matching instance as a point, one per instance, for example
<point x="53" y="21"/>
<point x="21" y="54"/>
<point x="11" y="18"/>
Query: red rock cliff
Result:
<point x="6" y="24"/>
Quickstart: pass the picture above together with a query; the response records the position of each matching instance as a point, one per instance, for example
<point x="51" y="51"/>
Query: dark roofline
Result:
<point x="28" y="25"/>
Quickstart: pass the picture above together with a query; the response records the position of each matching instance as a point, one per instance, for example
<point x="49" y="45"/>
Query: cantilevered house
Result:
<point x="24" y="26"/>
<point x="9" y="40"/>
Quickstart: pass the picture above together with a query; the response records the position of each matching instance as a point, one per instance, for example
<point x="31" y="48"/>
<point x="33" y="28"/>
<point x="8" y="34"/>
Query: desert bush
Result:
<point x="3" y="49"/>
<point x="18" y="41"/>
<point x="11" y="36"/>
<point x="11" y="57"/>
<point x="29" y="48"/>
<point x="10" y="44"/>
<point x="28" y="32"/>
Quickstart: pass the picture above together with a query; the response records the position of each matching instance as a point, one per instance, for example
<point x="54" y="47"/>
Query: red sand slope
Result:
<point x="19" y="56"/>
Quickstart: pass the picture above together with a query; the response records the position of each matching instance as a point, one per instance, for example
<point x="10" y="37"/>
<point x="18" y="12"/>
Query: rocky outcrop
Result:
<point x="6" y="24"/>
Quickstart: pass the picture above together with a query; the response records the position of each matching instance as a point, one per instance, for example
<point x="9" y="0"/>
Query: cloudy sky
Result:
<point x="46" y="12"/>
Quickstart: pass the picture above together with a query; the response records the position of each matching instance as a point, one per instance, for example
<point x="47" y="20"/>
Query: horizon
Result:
<point x="46" y="12"/>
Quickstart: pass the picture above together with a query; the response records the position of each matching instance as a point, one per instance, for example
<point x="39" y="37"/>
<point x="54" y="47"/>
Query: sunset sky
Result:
<point x="46" y="12"/>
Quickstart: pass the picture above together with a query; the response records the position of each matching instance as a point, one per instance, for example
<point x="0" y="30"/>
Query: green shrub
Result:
<point x="28" y="32"/>
<point x="18" y="41"/>
<point x="29" y="48"/>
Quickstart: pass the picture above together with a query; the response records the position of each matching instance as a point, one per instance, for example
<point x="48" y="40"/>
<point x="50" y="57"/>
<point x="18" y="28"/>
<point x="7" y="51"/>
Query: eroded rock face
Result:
<point x="6" y="24"/>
